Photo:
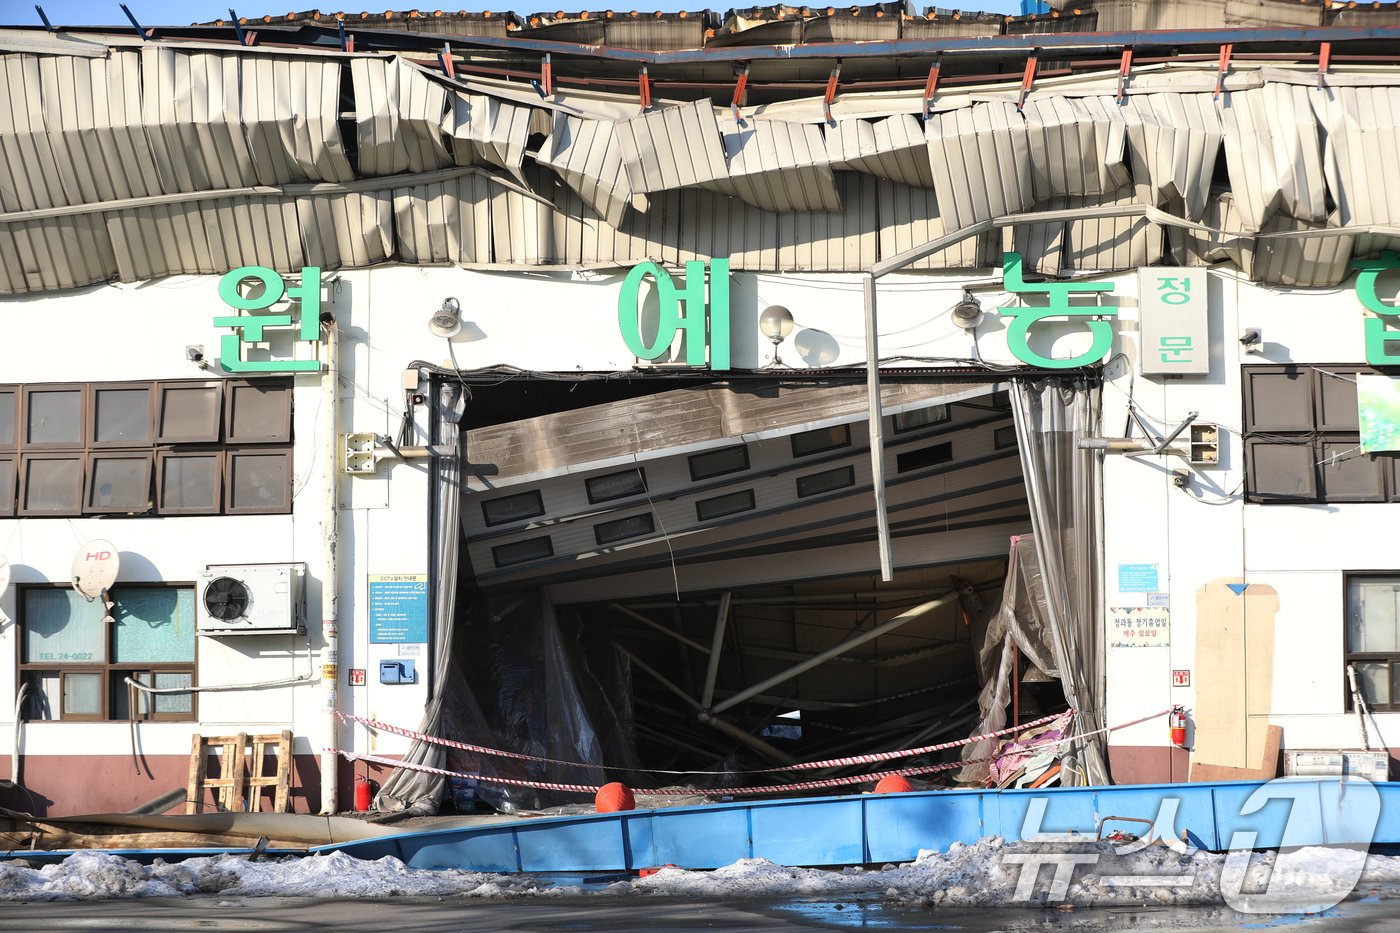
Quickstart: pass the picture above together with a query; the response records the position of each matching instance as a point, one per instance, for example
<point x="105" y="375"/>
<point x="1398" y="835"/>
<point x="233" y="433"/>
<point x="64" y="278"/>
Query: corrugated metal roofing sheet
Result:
<point x="892" y="148"/>
<point x="1362" y="139"/>
<point x="84" y="140"/>
<point x="1273" y="154"/>
<point x="777" y="166"/>
<point x="1173" y="140"/>
<point x="980" y="157"/>
<point x="398" y="118"/>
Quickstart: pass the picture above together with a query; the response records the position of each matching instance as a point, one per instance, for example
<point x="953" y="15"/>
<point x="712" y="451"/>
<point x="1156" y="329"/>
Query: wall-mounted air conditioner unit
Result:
<point x="252" y="599"/>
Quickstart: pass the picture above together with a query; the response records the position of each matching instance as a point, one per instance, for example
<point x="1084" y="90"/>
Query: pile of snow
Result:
<point x="990" y="873"/>
<point x="93" y="875"/>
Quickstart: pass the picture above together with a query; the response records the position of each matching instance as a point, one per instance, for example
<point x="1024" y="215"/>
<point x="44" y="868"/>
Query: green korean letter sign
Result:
<point x="692" y="321"/>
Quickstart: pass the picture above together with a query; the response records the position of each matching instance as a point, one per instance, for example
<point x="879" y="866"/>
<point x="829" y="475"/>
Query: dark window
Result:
<point x="1302" y="440"/>
<point x="729" y="504"/>
<point x="146" y="448"/>
<point x="1004" y="437"/>
<point x="825" y="481"/>
<point x="76" y="655"/>
<point x="518" y="552"/>
<point x="719" y="462"/>
<point x="631" y="482"/>
<point x="920" y="418"/>
<point x="925" y="457"/>
<point x="620" y="529"/>
<point x="512" y="508"/>
<point x="822" y="439"/>
<point x="1373" y="637"/>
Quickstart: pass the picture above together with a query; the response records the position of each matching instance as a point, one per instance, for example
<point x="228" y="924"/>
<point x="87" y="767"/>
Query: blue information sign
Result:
<point x="1137" y="578"/>
<point x="398" y="608"/>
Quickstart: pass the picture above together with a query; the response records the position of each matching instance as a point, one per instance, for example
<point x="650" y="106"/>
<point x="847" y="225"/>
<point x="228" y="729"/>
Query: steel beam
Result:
<point x="877" y="431"/>
<point x="819" y="659"/>
<point x="752" y="741"/>
<point x="690" y="643"/>
<point x="716" y="648"/>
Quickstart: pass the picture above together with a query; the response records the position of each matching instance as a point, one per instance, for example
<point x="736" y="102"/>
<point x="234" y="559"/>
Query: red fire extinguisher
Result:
<point x="363" y="794"/>
<point x="1176" y="721"/>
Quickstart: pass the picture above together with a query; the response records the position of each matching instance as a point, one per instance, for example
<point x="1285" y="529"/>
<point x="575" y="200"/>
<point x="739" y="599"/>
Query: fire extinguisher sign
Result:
<point x="1181" y="678"/>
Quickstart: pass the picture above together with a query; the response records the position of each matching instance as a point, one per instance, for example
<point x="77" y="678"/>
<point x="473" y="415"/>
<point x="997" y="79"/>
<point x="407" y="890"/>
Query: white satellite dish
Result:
<point x="4" y="575"/>
<point x="95" y="568"/>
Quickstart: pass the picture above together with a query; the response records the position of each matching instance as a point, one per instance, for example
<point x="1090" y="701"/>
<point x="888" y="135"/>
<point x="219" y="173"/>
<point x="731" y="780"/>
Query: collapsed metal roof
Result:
<point x="180" y="151"/>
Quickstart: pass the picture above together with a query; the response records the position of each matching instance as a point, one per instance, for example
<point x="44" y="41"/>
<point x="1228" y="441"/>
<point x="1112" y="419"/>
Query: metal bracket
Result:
<point x="363" y="451"/>
<point x="545" y="85"/>
<point x="831" y="82"/>
<point x="44" y="19"/>
<point x="347" y="43"/>
<point x="741" y="85"/>
<point x="1226" y="51"/>
<point x="1125" y="67"/>
<point x="644" y="88"/>
<point x="449" y="67"/>
<point x="1324" y="62"/>
<point x="931" y="86"/>
<point x="1027" y="81"/>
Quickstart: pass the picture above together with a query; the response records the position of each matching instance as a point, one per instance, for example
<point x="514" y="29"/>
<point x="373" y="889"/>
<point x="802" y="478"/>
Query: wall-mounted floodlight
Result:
<point x="967" y="313"/>
<point x="776" y="323"/>
<point x="447" y="320"/>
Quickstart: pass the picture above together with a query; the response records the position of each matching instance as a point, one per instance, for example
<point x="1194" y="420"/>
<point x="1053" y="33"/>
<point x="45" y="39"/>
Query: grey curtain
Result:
<point x="1063" y="483"/>
<point x="414" y="790"/>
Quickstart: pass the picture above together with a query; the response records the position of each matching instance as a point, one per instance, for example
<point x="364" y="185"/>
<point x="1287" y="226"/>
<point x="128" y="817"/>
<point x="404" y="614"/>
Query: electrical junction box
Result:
<point x="1205" y="444"/>
<point x="1371" y="765"/>
<point x="251" y="599"/>
<point x="397" y="671"/>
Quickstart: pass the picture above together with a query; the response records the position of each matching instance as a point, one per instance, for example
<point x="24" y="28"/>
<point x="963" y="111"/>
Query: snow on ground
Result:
<point x="987" y="874"/>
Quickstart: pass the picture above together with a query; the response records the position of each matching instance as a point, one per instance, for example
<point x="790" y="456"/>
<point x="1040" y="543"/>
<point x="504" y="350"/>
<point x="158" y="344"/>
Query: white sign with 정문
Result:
<point x="1139" y="627"/>
<point x="1173" y="323"/>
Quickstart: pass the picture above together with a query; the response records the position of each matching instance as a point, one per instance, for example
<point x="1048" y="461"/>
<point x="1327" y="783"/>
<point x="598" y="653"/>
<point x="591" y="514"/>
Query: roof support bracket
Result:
<point x="931" y="86"/>
<point x="831" y="81"/>
<point x="644" y="88"/>
<point x="449" y="67"/>
<point x="545" y="85"/>
<point x="1125" y="68"/>
<point x="1027" y="81"/>
<point x="741" y="85"/>
<point x="1226" y="51"/>
<point x="1324" y="62"/>
<point x="137" y="26"/>
<point x="347" y="43"/>
<point x="43" y="18"/>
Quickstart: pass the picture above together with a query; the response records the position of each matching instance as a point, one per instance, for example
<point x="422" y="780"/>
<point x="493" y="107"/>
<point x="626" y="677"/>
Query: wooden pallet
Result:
<point x="241" y="781"/>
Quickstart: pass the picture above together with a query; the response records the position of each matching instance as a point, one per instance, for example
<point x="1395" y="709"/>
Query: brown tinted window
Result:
<point x="259" y="481"/>
<point x="53" y="416"/>
<point x="259" y="412"/>
<point x="188" y="412"/>
<point x="51" y="484"/>
<point x="9" y="405"/>
<point x="119" y="483"/>
<point x="190" y="482"/>
<point x="7" y="485"/>
<point x="121" y="416"/>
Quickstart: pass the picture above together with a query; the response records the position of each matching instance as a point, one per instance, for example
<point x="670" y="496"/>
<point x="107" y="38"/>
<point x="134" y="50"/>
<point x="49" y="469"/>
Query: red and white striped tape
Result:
<point x="741" y="791"/>
<point x="801" y="766"/>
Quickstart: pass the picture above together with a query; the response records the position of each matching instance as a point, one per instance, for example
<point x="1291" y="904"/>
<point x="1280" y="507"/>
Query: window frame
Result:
<point x="1349" y="657"/>
<point x="156" y="450"/>
<point x="1316" y="437"/>
<point x="16" y="392"/>
<point x="111" y="672"/>
<point x="40" y="388"/>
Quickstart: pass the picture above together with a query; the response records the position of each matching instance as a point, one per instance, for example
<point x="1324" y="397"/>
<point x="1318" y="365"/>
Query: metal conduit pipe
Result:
<point x="330" y="577"/>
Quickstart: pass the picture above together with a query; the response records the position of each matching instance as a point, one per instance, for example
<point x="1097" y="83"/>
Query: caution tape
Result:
<point x="802" y="766"/>
<point x="743" y="791"/>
